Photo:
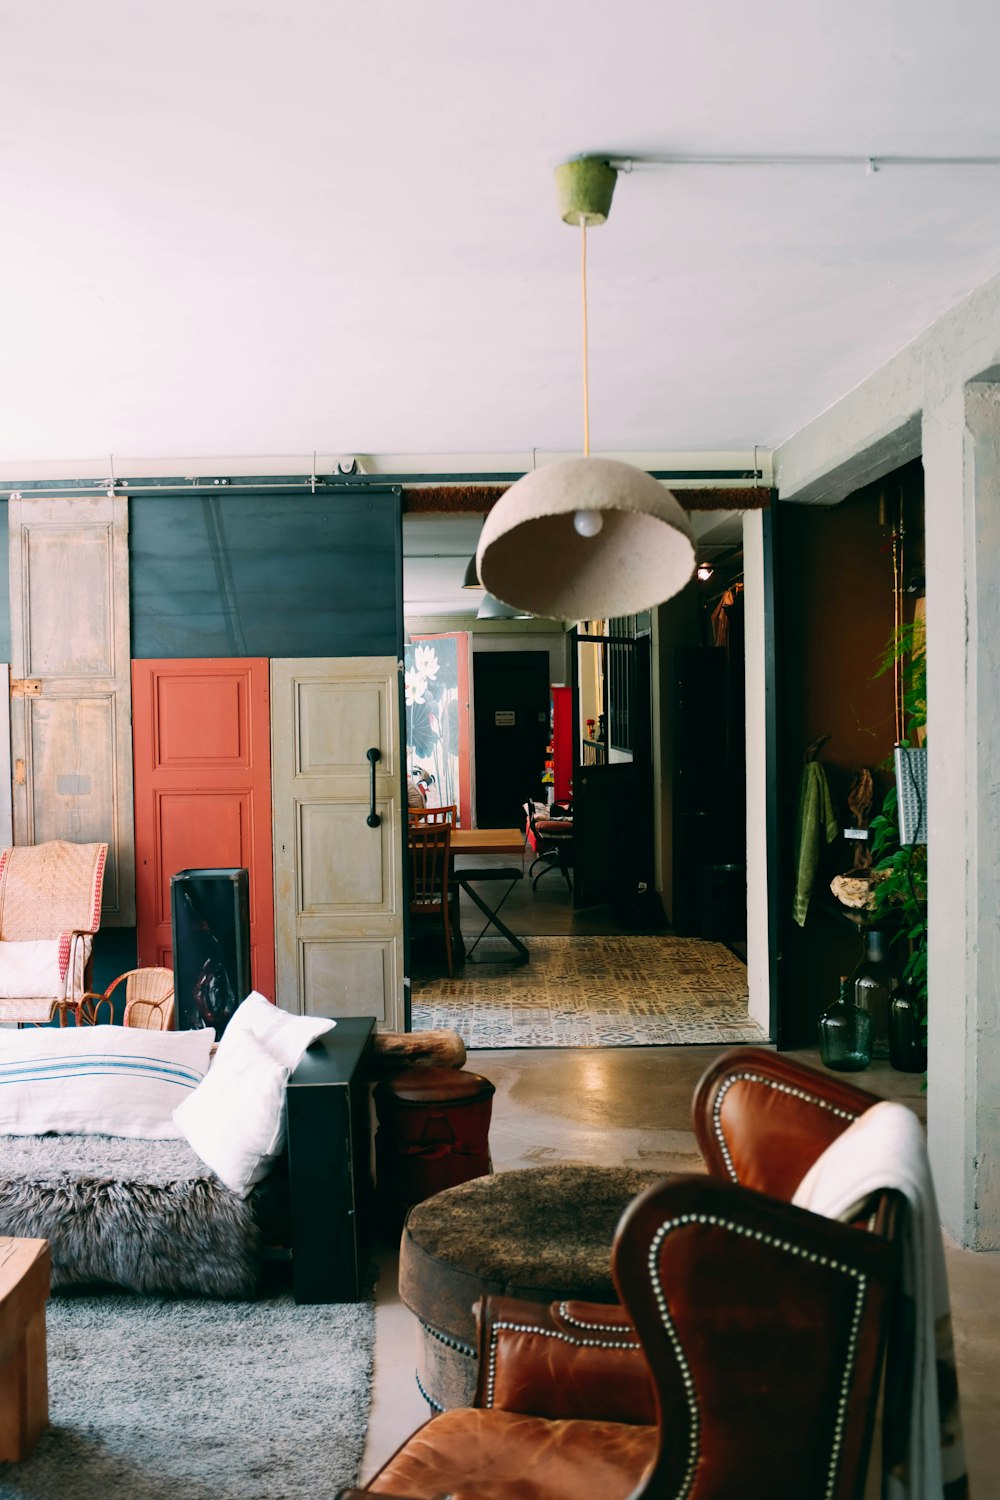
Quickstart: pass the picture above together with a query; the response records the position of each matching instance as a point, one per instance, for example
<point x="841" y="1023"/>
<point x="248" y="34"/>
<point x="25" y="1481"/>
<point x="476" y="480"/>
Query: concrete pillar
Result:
<point x="758" y="960"/>
<point x="961" y="448"/>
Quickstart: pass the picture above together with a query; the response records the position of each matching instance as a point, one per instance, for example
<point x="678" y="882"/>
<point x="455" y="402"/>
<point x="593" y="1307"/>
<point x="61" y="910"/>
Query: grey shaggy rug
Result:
<point x="186" y="1400"/>
<point x="147" y="1216"/>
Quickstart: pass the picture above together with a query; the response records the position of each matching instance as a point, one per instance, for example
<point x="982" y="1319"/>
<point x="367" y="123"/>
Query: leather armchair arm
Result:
<point x="568" y="1360"/>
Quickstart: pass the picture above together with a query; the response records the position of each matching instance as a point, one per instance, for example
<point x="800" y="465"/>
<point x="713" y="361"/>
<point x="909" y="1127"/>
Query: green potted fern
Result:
<point x="899" y="895"/>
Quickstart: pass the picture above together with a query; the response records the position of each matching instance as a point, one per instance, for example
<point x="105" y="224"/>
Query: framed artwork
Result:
<point x="437" y="691"/>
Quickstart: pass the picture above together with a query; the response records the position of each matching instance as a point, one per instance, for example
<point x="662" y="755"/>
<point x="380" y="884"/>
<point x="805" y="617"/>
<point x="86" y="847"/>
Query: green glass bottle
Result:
<point x="845" y="1033"/>
<point x="907" y="1037"/>
<point x="875" y="981"/>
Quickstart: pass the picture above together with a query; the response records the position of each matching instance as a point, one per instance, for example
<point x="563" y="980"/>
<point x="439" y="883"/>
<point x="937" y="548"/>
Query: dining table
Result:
<point x="484" y="841"/>
<point x="487" y="841"/>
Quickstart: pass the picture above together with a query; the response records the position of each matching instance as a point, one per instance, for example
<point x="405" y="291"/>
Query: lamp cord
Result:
<point x="586" y="380"/>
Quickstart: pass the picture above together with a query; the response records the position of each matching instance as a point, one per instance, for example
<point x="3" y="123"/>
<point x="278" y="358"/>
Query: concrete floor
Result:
<point x="632" y="1106"/>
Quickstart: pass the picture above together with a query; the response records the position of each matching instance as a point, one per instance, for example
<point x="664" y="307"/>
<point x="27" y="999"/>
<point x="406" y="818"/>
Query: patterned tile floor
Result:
<point x="595" y="992"/>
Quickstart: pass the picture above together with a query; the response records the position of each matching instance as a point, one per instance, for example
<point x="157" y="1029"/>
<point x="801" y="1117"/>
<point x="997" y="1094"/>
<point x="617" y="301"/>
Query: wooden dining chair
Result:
<point x="431" y="815"/>
<point x="430" y="867"/>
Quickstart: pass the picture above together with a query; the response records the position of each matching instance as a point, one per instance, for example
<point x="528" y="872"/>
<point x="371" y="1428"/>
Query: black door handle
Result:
<point x="374" y="756"/>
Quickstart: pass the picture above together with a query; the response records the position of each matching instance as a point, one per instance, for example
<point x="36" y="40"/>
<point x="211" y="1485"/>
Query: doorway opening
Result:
<point x="641" y="836"/>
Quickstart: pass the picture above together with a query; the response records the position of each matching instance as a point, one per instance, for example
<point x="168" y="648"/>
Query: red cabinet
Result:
<point x="562" y="744"/>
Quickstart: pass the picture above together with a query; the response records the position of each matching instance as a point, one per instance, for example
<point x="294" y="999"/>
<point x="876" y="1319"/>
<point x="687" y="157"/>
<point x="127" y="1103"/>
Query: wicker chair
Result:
<point x="149" y="1001"/>
<point x="50" y="908"/>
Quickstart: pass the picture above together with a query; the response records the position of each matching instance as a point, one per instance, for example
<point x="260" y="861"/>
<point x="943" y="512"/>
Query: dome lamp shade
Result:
<point x="586" y="539"/>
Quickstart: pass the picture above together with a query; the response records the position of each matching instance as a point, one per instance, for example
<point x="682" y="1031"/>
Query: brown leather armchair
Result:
<point x="746" y="1359"/>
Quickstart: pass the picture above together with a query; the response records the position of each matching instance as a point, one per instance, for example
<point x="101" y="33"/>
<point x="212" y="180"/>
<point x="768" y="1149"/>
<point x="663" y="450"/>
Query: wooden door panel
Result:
<point x="70" y="747"/>
<point x="200" y="831"/>
<point x="84" y="595"/>
<point x="344" y="974"/>
<point x="203" y="791"/>
<point x="71" y="698"/>
<point x="338" y="882"/>
<point x="335" y="727"/>
<point x="202" y="722"/>
<point x="365" y="883"/>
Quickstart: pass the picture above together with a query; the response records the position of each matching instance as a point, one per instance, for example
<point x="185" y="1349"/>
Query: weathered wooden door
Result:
<point x="71" y="740"/>
<point x="202" y="791"/>
<point x="338" y="880"/>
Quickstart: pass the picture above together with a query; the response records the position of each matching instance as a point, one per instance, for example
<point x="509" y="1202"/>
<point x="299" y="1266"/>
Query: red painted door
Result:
<point x="201" y="733"/>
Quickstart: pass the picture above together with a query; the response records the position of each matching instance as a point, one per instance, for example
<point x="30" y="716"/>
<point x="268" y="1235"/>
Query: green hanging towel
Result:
<point x="816" y="818"/>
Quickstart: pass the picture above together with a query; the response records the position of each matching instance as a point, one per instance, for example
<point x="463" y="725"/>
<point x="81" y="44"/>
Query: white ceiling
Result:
<point x="436" y="553"/>
<point x="271" y="226"/>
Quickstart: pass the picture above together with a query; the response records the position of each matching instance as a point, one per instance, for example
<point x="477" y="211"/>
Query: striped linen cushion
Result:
<point x="99" y="1080"/>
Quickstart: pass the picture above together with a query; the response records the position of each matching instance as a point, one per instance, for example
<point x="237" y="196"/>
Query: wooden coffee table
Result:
<point x="25" y="1273"/>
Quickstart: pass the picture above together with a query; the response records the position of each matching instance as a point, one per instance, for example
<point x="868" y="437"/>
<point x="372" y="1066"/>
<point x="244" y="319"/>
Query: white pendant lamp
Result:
<point x="588" y="538"/>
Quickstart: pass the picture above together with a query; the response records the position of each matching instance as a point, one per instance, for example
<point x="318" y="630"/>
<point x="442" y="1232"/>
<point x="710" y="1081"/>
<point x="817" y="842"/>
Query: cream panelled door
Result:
<point x="71" y="692"/>
<point x="338" y="882"/>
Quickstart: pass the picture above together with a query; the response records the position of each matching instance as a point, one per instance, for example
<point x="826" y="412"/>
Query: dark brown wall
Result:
<point x="835" y="616"/>
<point x="679" y="625"/>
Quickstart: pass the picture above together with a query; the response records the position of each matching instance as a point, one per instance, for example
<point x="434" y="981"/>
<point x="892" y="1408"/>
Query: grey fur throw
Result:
<point x="145" y="1215"/>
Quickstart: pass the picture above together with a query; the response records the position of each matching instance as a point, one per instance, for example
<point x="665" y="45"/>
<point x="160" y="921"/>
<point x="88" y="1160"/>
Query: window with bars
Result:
<point x="621" y="682"/>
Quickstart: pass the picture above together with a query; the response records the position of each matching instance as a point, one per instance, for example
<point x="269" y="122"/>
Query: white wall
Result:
<point x="922" y="395"/>
<point x="555" y="645"/>
<point x="503" y="635"/>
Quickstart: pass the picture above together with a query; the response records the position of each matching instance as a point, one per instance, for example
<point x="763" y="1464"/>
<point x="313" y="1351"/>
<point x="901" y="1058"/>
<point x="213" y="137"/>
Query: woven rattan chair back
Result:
<point x="149" y="1001"/>
<point x="48" y="889"/>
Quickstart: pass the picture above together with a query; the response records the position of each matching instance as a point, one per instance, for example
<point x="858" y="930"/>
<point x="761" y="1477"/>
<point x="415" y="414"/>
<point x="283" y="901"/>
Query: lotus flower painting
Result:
<point x="436" y="693"/>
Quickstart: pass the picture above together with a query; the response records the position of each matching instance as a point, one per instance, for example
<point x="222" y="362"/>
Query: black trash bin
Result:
<point x="210" y="916"/>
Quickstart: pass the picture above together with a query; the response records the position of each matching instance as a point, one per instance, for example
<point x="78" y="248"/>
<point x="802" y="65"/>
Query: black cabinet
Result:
<point x="329" y="1163"/>
<point x="210" y="917"/>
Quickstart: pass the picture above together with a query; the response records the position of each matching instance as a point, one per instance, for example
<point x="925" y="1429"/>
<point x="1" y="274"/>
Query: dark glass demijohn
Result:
<point x="845" y="1033"/>
<point x="907" y="1038"/>
<point x="875" y="981"/>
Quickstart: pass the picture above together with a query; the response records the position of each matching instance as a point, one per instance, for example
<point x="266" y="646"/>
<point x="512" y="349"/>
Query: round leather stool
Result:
<point x="433" y="1133"/>
<point x="542" y="1234"/>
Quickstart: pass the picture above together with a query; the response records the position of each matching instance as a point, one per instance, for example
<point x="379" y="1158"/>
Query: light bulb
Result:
<point x="587" y="522"/>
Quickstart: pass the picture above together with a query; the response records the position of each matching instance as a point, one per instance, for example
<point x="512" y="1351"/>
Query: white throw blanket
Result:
<point x="885" y="1148"/>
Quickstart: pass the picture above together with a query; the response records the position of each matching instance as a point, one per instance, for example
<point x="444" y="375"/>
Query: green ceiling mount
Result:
<point x="584" y="189"/>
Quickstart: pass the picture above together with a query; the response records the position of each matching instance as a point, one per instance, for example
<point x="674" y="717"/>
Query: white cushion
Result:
<point x="32" y="969"/>
<point x="99" y="1080"/>
<point x="235" y="1119"/>
<point x="285" y="1036"/>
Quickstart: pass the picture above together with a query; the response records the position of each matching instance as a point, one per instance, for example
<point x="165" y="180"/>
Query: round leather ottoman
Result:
<point x="433" y="1133"/>
<point x="541" y="1234"/>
